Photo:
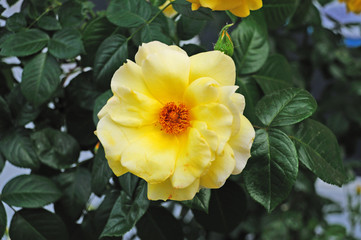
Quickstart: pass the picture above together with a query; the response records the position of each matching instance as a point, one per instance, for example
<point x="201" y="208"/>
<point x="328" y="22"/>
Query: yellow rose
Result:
<point x="239" y="8"/>
<point x="176" y="121"/>
<point x="169" y="11"/>
<point x="353" y="5"/>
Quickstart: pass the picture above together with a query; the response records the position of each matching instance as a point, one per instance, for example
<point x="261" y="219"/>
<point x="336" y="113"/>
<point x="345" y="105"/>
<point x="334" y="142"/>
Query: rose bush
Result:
<point x="176" y="121"/>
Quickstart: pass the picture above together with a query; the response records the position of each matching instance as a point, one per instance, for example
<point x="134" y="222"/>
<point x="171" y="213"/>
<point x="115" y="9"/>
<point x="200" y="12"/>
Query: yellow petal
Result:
<point x="151" y="154"/>
<point x="194" y="158"/>
<point x="169" y="11"/>
<point x="148" y="48"/>
<point x="129" y="75"/>
<point x="201" y="91"/>
<point x="220" y="4"/>
<point x="239" y="101"/>
<point x="116" y="166"/>
<point x="241" y="11"/>
<point x="220" y="169"/>
<point x="195" y="6"/>
<point x="254" y="4"/>
<point x="226" y="99"/>
<point x="166" y="74"/>
<point x="209" y="135"/>
<point x="133" y="109"/>
<point x="241" y="144"/>
<point x="218" y="119"/>
<point x="114" y="142"/>
<point x="165" y="191"/>
<point x="214" y="64"/>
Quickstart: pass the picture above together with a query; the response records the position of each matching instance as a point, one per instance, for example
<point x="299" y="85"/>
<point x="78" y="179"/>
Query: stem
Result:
<point x="149" y="21"/>
<point x="50" y="8"/>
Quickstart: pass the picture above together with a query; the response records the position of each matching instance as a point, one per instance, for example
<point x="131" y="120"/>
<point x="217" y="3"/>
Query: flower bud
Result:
<point x="224" y="42"/>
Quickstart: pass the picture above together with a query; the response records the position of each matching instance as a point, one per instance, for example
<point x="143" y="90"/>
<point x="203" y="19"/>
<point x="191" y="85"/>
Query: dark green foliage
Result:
<point x="41" y="79"/>
<point x="227" y="208"/>
<point x="37" y="224"/>
<point x="272" y="171"/>
<point x="18" y="149"/>
<point x="126" y="212"/>
<point x="251" y="46"/>
<point x="30" y="191"/>
<point x="66" y="43"/>
<point x="101" y="173"/>
<point x="24" y="43"/>
<point x="159" y="224"/>
<point x="76" y="188"/>
<point x="55" y="149"/>
<point x="3" y="219"/>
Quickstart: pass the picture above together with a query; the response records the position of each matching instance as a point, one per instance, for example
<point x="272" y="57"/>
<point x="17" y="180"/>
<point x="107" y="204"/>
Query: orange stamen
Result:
<point x="174" y="119"/>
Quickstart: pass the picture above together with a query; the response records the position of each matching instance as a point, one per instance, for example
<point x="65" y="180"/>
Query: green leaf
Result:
<point x="103" y="211"/>
<point x="278" y="12"/>
<point x="66" y="43"/>
<point x="37" y="224"/>
<point x="275" y="74"/>
<point x="157" y="2"/>
<point x="82" y="91"/>
<point x="285" y="107"/>
<point x="251" y="46"/>
<point x="76" y="188"/>
<point x="159" y="224"/>
<point x="24" y="43"/>
<point x="93" y="34"/>
<point x="126" y="212"/>
<point x="30" y="191"/>
<point x="200" y="200"/>
<point x="128" y="13"/>
<point x="227" y="208"/>
<point x="188" y="27"/>
<point x="40" y="79"/>
<point x="11" y="2"/>
<point x="55" y="149"/>
<point x="319" y="151"/>
<point x="101" y="173"/>
<point x="183" y="7"/>
<point x="154" y="32"/>
<point x="22" y="111"/>
<point x="272" y="171"/>
<point x="70" y="14"/>
<point x="18" y="149"/>
<point x="79" y="123"/>
<point x="49" y="23"/>
<point x="16" y="22"/>
<point x="249" y="89"/>
<point x="192" y="49"/>
<point x="3" y="220"/>
<point x="2" y="162"/>
<point x="128" y="182"/>
<point x="5" y="120"/>
<point x="99" y="104"/>
<point x="111" y="54"/>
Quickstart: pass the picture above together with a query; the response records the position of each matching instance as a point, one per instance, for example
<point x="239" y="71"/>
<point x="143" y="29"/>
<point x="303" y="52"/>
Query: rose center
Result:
<point x="174" y="118"/>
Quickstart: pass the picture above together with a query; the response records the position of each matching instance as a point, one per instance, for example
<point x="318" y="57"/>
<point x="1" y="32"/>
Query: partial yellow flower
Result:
<point x="176" y="121"/>
<point x="169" y="11"/>
<point x="240" y="8"/>
<point x="353" y="5"/>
